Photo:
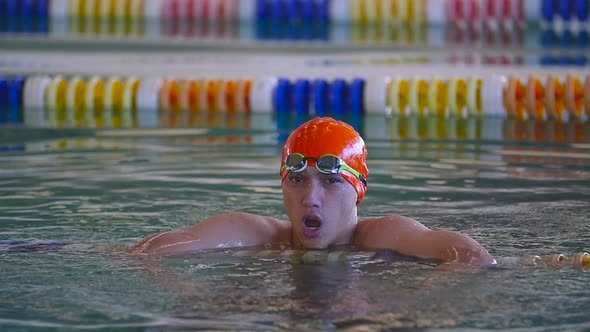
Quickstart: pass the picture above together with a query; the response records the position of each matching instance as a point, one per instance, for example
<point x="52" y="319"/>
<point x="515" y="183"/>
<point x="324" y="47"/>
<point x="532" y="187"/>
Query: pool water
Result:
<point x="70" y="199"/>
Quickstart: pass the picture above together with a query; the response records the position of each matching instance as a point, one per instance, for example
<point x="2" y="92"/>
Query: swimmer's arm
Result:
<point x="409" y="237"/>
<point x="222" y="231"/>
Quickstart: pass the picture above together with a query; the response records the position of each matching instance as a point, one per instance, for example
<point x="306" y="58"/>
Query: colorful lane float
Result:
<point x="580" y="259"/>
<point x="562" y="22"/>
<point x="11" y="99"/>
<point x="97" y="102"/>
<point x="553" y="97"/>
<point x="473" y="12"/>
<point x="120" y="102"/>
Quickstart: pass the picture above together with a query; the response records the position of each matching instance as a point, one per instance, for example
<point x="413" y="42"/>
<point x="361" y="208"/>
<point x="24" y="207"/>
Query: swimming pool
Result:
<point x="70" y="198"/>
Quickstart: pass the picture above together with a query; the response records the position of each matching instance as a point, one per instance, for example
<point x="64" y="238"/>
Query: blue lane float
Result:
<point x="278" y="12"/>
<point x="262" y="10"/>
<point x="294" y="12"/>
<point x="28" y="15"/>
<point x="42" y="14"/>
<point x="321" y="92"/>
<point x="319" y="97"/>
<point x="308" y="10"/>
<point x="13" y="15"/>
<point x="547" y="10"/>
<point x="357" y="93"/>
<point x="301" y="96"/>
<point x="15" y="100"/>
<point x="564" y="8"/>
<point x="581" y="9"/>
<point x="340" y="96"/>
<point x="283" y="99"/>
<point x="324" y="11"/>
<point x="4" y="100"/>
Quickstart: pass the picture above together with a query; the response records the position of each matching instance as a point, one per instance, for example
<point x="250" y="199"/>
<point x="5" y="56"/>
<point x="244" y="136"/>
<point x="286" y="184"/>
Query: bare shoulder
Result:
<point x="244" y="223"/>
<point x="396" y="223"/>
<point x="410" y="237"/>
<point x="240" y="229"/>
<point x="220" y="231"/>
<point x="241" y="220"/>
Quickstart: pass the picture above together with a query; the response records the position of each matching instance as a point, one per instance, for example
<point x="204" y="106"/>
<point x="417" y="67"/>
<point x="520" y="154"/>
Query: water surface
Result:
<point x="70" y="198"/>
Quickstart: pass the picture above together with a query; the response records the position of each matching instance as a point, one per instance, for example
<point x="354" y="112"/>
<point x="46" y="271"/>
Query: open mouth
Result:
<point x="311" y="226"/>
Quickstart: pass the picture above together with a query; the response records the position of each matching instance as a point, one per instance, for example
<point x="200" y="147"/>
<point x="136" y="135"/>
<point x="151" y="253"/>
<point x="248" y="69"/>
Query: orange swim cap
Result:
<point x="321" y="136"/>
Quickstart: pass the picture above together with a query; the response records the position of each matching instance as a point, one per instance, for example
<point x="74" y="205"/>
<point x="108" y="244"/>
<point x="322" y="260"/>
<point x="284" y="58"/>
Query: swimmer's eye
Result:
<point x="295" y="178"/>
<point x="333" y="179"/>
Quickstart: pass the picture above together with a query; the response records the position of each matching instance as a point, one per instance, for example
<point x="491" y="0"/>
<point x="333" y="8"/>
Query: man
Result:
<point x="324" y="179"/>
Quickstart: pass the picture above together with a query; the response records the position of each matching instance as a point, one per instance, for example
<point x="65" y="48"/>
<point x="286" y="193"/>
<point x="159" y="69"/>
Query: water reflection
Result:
<point x="396" y="126"/>
<point x="487" y="128"/>
<point x="327" y="293"/>
<point x="247" y="128"/>
<point x="278" y="286"/>
<point x="81" y="194"/>
<point x="441" y="127"/>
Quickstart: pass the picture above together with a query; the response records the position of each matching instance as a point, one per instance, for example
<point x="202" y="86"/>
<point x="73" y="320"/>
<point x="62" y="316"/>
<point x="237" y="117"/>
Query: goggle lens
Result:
<point x="295" y="163"/>
<point x="327" y="164"/>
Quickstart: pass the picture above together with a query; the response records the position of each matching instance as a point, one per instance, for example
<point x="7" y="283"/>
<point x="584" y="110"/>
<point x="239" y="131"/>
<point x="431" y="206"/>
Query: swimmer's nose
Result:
<point x="313" y="194"/>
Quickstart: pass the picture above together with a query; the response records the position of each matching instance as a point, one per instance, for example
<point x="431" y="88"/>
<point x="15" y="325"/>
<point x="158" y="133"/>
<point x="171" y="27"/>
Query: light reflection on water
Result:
<point x="95" y="194"/>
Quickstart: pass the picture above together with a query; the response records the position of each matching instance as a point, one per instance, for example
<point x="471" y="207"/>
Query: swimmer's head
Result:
<point x="317" y="141"/>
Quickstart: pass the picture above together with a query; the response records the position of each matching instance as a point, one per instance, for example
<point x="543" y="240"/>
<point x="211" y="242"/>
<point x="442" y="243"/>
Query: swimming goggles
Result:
<point x="326" y="164"/>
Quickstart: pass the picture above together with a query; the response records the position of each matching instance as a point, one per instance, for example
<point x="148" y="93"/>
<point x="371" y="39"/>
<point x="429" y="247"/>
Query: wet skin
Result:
<point x="322" y="212"/>
<point x="321" y="208"/>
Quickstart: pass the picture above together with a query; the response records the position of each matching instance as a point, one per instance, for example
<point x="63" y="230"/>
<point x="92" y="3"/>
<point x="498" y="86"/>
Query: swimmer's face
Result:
<point x="321" y="208"/>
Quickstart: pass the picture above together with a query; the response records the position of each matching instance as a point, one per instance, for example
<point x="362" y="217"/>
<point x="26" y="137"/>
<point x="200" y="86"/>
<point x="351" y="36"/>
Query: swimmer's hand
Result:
<point x="409" y="237"/>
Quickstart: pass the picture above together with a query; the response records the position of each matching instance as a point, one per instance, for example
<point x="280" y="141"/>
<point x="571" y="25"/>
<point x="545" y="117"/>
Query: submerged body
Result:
<point x="323" y="172"/>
